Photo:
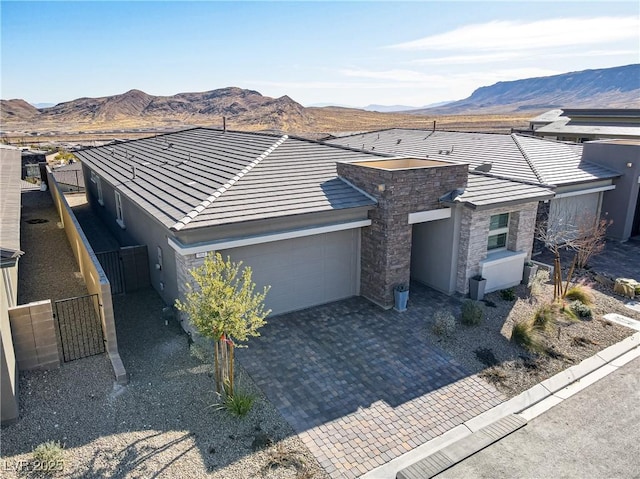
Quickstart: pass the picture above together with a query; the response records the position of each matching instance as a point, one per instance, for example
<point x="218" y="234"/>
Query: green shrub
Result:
<point x="239" y="404"/>
<point x="49" y="456"/>
<point x="526" y="335"/>
<point x="580" y="292"/>
<point x="472" y="313"/>
<point x="444" y="324"/>
<point x="581" y="310"/>
<point x="508" y="294"/>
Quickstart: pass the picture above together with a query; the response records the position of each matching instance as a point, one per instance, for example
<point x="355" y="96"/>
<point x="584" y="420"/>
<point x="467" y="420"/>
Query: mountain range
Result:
<point x="617" y="87"/>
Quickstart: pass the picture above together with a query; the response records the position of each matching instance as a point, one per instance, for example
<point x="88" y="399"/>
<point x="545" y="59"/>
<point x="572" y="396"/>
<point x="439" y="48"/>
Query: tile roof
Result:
<point x="10" y="171"/>
<point x="203" y="177"/>
<point x="485" y="191"/>
<point x="514" y="157"/>
<point x="557" y="163"/>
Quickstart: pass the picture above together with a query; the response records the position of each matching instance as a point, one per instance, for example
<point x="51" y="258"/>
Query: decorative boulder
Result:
<point x="626" y="287"/>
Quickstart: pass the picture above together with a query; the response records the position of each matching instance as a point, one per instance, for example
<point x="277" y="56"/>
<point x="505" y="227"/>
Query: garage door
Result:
<point x="565" y="214"/>
<point x="306" y="271"/>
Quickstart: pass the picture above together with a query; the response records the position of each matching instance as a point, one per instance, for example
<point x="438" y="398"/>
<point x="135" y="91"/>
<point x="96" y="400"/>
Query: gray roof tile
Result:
<point x="177" y="176"/>
<point x="516" y="157"/>
<point x="485" y="191"/>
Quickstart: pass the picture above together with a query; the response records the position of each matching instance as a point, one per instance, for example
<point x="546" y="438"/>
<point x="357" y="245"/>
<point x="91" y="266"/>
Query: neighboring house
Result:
<point x="10" y="172"/>
<point x="30" y="163"/>
<point x="587" y="124"/>
<point x="69" y="177"/>
<point x="588" y="180"/>
<point x="317" y="222"/>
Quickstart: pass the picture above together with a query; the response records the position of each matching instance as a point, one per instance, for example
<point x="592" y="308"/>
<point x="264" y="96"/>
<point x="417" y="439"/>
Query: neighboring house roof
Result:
<point x="516" y="157"/>
<point x="70" y="174"/>
<point x="485" y="191"/>
<point x="547" y="116"/>
<point x="10" y="171"/>
<point x="557" y="163"/>
<point x="203" y="177"/>
<point x="567" y="126"/>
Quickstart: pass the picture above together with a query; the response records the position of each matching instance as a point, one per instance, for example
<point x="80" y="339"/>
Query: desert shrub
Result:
<point x="545" y="317"/>
<point x="568" y="312"/>
<point x="49" y="456"/>
<point x="526" y="335"/>
<point x="472" y="313"/>
<point x="539" y="280"/>
<point x="239" y="404"/>
<point x="581" y="310"/>
<point x="508" y="294"/>
<point x="580" y="292"/>
<point x="444" y="324"/>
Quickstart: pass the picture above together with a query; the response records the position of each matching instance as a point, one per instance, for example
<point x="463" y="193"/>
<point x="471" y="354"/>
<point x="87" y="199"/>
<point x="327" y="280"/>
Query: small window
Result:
<point x="159" y="263"/>
<point x="99" y="189"/>
<point x="498" y="232"/>
<point x="93" y="177"/>
<point x="119" y="217"/>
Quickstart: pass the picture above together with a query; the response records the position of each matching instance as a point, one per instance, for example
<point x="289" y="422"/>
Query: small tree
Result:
<point x="585" y="236"/>
<point x="225" y="307"/>
<point x="590" y="240"/>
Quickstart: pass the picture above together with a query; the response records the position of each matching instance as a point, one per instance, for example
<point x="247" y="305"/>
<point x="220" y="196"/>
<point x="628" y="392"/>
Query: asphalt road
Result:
<point x="594" y="434"/>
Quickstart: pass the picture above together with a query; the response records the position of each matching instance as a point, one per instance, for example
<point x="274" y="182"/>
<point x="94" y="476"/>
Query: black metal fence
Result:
<point x="113" y="267"/>
<point x="79" y="327"/>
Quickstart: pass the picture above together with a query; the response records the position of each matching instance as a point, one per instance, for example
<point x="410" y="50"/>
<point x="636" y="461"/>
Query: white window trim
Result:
<point x="93" y="176"/>
<point x="119" y="213"/>
<point x="497" y="232"/>
<point x="99" y="188"/>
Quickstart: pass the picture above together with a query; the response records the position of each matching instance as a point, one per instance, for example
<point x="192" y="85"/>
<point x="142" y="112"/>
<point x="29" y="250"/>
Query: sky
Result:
<point x="343" y="53"/>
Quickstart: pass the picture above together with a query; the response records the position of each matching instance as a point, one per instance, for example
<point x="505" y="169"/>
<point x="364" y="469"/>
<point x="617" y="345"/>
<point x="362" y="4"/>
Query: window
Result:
<point x="99" y="189"/>
<point x="93" y="177"/>
<point x="159" y="263"/>
<point x="498" y="232"/>
<point x="119" y="217"/>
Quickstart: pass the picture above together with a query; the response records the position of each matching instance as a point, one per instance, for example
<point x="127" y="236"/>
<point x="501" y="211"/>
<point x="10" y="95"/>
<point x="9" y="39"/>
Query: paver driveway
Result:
<point x="360" y="385"/>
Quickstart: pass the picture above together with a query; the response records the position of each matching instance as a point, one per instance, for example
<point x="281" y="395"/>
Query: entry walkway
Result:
<point x="360" y="385"/>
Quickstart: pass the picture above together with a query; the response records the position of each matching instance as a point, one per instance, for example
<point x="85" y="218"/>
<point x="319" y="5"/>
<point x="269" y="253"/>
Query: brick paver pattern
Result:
<point x="360" y="385"/>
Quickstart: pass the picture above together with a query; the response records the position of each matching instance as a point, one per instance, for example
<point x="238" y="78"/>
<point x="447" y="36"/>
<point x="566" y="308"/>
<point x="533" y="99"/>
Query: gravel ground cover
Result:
<point x="162" y="424"/>
<point x="487" y="349"/>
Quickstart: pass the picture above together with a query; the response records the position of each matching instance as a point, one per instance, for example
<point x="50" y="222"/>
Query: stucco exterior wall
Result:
<point x="140" y="229"/>
<point x="474" y="233"/>
<point x="8" y="364"/>
<point x="92" y="273"/>
<point x="620" y="204"/>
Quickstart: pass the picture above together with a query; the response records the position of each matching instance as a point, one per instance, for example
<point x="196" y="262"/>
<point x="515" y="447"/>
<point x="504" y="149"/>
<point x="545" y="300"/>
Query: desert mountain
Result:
<point x="617" y="87"/>
<point x="137" y="108"/>
<point x="17" y="110"/>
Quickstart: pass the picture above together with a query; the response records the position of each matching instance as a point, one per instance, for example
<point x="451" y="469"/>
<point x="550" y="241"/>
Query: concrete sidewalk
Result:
<point x="466" y="439"/>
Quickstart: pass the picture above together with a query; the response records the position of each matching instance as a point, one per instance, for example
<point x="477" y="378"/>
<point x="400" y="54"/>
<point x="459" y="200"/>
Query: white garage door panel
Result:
<point x="565" y="214"/>
<point x="306" y="271"/>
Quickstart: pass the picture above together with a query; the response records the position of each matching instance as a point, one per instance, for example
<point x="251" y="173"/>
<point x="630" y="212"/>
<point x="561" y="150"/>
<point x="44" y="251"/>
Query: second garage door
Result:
<point x="305" y="271"/>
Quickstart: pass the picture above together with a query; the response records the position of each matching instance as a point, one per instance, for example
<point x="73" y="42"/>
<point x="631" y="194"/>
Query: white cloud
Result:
<point x="393" y="75"/>
<point x="467" y="59"/>
<point x="518" y="35"/>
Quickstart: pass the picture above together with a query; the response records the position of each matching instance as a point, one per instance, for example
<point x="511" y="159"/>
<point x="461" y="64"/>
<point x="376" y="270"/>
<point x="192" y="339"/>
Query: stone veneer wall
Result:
<point x="474" y="233"/>
<point x="386" y="244"/>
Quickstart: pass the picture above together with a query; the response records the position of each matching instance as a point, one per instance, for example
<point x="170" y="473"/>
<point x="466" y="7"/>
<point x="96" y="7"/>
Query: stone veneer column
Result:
<point x="386" y="244"/>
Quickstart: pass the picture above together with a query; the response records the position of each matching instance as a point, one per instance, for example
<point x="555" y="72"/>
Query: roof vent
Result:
<point x="398" y="141"/>
<point x="484" y="168"/>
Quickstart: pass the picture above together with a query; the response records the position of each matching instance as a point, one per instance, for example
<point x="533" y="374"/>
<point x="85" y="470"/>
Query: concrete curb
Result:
<point x="528" y="405"/>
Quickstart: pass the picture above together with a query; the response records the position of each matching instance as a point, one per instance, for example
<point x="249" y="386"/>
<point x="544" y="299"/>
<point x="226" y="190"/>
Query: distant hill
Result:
<point x="137" y="108"/>
<point x="617" y="87"/>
